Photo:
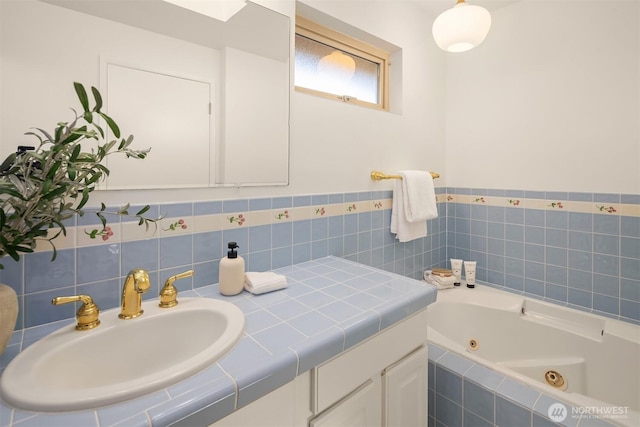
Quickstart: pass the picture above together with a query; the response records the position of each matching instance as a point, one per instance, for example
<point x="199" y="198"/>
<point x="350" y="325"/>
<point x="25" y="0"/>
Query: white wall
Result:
<point x="335" y="146"/>
<point x="550" y="100"/>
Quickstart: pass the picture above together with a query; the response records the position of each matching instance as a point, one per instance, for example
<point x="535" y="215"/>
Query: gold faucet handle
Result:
<point x="87" y="314"/>
<point x="169" y="293"/>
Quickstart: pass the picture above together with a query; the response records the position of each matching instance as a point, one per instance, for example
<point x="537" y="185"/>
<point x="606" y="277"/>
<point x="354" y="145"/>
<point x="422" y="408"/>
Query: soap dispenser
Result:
<point x="231" y="276"/>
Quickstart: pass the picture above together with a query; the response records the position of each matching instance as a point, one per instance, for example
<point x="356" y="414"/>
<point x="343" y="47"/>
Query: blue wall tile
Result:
<point x="511" y="414"/>
<point x="449" y="385"/>
<point x="106" y="267"/>
<point x="176" y="250"/>
<point x="235" y="206"/>
<point x="42" y="274"/>
<point x="207" y="208"/>
<point x="139" y="254"/>
<point x="479" y="400"/>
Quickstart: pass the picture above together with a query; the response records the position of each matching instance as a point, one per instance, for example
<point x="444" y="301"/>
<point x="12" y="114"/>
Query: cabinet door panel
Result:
<point x="405" y="391"/>
<point x="362" y="408"/>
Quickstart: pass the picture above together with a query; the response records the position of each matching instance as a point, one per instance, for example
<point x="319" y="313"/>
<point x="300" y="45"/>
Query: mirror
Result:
<point x="210" y="97"/>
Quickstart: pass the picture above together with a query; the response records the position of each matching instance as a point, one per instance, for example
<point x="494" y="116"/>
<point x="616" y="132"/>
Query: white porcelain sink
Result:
<point x="71" y="370"/>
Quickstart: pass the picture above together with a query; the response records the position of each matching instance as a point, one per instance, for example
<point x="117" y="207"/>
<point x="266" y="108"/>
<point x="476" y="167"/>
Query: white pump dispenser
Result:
<point x="231" y="276"/>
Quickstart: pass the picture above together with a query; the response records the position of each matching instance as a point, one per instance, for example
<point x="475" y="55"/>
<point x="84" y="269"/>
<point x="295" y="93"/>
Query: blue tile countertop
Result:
<point x="330" y="305"/>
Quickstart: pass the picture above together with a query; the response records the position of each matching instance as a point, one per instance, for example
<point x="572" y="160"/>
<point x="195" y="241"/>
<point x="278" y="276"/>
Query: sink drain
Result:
<point x="473" y="344"/>
<point x="555" y="379"/>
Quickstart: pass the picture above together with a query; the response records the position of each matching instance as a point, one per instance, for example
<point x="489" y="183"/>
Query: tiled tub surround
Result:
<point x="330" y="305"/>
<point x="575" y="249"/>
<point x="464" y="393"/>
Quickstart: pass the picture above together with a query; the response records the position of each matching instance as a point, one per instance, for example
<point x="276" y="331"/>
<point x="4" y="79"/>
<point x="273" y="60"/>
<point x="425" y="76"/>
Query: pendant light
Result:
<point x="337" y="65"/>
<point x="462" y="27"/>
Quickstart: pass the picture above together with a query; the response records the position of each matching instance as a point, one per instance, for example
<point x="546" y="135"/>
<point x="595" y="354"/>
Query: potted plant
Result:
<point x="44" y="185"/>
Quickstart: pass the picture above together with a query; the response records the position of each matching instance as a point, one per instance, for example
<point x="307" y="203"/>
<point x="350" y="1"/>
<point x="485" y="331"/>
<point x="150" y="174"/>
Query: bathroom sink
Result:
<point x="70" y="370"/>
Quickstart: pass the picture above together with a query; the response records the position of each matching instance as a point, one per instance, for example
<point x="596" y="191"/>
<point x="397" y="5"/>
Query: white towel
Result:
<point x="414" y="201"/>
<point x="261" y="282"/>
<point x="439" y="281"/>
<point x="419" y="196"/>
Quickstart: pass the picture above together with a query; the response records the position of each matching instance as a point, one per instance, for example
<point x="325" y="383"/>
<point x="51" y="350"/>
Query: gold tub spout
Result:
<point x="136" y="284"/>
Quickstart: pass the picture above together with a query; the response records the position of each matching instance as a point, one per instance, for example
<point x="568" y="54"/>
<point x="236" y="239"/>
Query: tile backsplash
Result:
<point x="271" y="232"/>
<point x="579" y="249"/>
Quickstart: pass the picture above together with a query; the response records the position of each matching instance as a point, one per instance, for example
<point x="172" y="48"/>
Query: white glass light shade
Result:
<point x="337" y="65"/>
<point x="461" y="28"/>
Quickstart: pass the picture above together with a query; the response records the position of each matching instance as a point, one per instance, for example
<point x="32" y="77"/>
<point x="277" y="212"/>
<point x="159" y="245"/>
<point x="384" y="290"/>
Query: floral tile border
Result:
<point x="126" y="231"/>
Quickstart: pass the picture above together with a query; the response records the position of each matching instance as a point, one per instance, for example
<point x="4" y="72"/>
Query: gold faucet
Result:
<point x="87" y="314"/>
<point x="169" y="293"/>
<point x="136" y="284"/>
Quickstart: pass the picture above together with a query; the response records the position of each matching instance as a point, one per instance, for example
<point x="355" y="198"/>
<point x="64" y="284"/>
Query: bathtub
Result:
<point x="582" y="359"/>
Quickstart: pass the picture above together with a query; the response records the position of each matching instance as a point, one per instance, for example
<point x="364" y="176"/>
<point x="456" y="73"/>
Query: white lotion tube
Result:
<point x="456" y="268"/>
<point x="470" y="273"/>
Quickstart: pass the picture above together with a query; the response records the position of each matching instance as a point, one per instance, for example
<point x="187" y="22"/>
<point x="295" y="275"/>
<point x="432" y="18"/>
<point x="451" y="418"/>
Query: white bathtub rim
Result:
<point x="504" y="300"/>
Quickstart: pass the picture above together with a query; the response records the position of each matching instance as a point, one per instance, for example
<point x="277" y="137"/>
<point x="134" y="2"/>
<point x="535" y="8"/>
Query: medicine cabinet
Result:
<point x="210" y="97"/>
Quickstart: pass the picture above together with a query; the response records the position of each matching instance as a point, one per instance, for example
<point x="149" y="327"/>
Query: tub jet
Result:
<point x="555" y="379"/>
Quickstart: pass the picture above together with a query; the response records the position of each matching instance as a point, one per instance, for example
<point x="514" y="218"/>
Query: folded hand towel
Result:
<point x="414" y="201"/>
<point x="261" y="282"/>
<point x="439" y="281"/>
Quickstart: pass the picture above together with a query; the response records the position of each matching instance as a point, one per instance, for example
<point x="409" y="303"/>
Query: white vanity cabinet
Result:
<point x="361" y="408"/>
<point x="405" y="395"/>
<point x="380" y="382"/>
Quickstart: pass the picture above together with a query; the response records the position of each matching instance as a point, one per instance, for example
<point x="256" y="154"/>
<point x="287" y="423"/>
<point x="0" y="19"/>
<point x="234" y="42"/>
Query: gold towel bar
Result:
<point x="377" y="176"/>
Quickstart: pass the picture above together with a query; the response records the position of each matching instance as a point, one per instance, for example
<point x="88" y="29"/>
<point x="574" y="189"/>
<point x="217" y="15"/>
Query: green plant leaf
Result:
<point x="46" y="186"/>
<point x="82" y="95"/>
<point x="98" y="98"/>
<point x="143" y="210"/>
<point x="24" y="249"/>
<point x="54" y="193"/>
<point x="103" y="220"/>
<point x="124" y="210"/>
<point x="112" y="125"/>
<point x="12" y="253"/>
<point x="58" y="133"/>
<point x="75" y="153"/>
<point x="85" y="198"/>
<point x="94" y="178"/>
<point x="45" y="133"/>
<point x="36" y="135"/>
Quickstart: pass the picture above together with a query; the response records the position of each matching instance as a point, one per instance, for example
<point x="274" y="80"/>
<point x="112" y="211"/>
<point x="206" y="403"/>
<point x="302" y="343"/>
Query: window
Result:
<point x="336" y="66"/>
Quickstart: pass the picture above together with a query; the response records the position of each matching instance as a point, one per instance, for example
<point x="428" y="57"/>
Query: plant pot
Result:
<point x="8" y="314"/>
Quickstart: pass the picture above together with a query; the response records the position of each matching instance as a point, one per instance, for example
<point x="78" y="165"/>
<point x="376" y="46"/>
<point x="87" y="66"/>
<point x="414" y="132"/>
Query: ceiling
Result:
<point x="436" y="7"/>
